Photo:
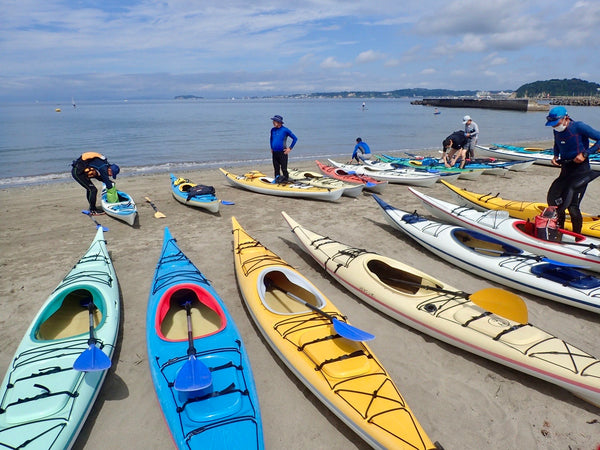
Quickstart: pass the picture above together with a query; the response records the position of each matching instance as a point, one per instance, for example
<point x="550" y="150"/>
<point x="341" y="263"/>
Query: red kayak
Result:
<point x="371" y="184"/>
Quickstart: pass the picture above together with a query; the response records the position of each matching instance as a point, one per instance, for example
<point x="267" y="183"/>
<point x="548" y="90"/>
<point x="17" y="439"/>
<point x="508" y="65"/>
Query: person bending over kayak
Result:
<point x="280" y="149"/>
<point x="571" y="154"/>
<point x="361" y="151"/>
<point x="95" y="165"/>
<point x="455" y="146"/>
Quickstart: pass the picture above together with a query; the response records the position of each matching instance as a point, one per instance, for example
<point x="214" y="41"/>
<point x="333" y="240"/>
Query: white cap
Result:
<point x="466" y="119"/>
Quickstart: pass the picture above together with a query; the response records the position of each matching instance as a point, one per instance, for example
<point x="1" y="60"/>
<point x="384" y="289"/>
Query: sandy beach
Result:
<point x="461" y="400"/>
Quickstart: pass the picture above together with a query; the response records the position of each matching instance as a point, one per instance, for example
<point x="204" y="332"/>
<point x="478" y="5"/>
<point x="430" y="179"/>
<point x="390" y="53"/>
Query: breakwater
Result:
<point x="508" y="104"/>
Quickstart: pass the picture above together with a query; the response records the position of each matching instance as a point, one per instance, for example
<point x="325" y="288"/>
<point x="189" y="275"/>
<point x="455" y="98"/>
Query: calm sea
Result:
<point x="38" y="144"/>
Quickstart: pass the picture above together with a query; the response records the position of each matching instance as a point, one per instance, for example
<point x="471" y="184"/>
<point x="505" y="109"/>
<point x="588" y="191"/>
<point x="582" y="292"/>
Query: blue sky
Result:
<point x="53" y="50"/>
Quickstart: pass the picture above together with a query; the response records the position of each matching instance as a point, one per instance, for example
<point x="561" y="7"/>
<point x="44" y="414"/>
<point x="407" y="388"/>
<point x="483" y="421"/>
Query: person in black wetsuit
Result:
<point x="94" y="165"/>
<point x="455" y="143"/>
<point x="571" y="154"/>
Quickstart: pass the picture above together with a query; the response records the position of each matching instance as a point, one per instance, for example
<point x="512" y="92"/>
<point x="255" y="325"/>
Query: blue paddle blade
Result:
<point x="369" y="184"/>
<point x="349" y="332"/>
<point x="560" y="263"/>
<point x="193" y="376"/>
<point x="225" y="202"/>
<point x="92" y="359"/>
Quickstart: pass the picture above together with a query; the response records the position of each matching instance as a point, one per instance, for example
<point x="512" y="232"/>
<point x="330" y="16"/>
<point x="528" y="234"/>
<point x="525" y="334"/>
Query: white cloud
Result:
<point x="332" y="63"/>
<point x="369" y="56"/>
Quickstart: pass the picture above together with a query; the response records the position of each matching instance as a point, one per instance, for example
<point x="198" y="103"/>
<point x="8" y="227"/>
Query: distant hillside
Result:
<point x="559" y="88"/>
<point x="399" y="93"/>
<point x="187" y="97"/>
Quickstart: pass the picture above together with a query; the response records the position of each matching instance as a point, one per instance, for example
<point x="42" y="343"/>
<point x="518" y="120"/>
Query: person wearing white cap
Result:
<point x="471" y="133"/>
<point x="571" y="154"/>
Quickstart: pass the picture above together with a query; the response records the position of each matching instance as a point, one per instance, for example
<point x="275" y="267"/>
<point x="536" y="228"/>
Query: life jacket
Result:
<point x="90" y="172"/>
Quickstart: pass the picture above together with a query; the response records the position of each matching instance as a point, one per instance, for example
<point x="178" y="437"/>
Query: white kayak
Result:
<point x="495" y="260"/>
<point x="491" y="323"/>
<point x="125" y="209"/>
<point x="316" y="179"/>
<point x="540" y="156"/>
<point x="399" y="176"/>
<point x="573" y="248"/>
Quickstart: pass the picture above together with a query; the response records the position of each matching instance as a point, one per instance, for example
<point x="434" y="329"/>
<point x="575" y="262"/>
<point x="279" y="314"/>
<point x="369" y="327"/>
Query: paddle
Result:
<point x="536" y="257"/>
<point x="495" y="300"/>
<point x="225" y="202"/>
<point x="193" y="375"/>
<point x="342" y="328"/>
<point x="91" y="359"/>
<point x="157" y="213"/>
<point x="89" y="214"/>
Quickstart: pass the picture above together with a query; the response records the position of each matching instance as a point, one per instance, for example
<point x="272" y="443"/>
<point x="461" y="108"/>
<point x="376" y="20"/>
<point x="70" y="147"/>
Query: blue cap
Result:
<point x="554" y="116"/>
<point x="115" y="170"/>
<point x="277" y="118"/>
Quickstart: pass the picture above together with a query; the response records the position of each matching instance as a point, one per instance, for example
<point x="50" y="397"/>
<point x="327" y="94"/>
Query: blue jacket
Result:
<point x="575" y="139"/>
<point x="361" y="147"/>
<point x="279" y="138"/>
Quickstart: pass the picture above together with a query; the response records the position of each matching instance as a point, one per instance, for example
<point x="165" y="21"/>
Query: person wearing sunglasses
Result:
<point x="571" y="154"/>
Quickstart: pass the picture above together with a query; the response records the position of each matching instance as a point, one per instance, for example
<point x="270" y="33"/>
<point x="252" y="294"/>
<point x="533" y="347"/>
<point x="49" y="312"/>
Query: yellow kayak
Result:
<point x="309" y="334"/>
<point x="256" y="181"/>
<point x="518" y="210"/>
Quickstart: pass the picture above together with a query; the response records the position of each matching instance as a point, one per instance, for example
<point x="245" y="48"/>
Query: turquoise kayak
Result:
<point x="44" y="400"/>
<point x="198" y="362"/>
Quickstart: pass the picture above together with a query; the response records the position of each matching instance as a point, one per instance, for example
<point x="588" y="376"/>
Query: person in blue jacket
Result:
<point x="280" y="148"/>
<point x="95" y="165"/>
<point x="571" y="154"/>
<point x="361" y="150"/>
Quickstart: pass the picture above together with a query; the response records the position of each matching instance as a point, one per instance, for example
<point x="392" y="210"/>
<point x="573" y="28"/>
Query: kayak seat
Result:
<point x="171" y="318"/>
<point x="67" y="317"/>
<point x="567" y="276"/>
<point x="394" y="278"/>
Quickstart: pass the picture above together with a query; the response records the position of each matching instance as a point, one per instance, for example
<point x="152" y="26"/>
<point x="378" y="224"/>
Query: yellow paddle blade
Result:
<point x="502" y="303"/>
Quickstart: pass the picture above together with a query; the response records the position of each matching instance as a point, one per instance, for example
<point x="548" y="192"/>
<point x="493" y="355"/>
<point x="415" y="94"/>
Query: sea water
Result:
<point x="38" y="144"/>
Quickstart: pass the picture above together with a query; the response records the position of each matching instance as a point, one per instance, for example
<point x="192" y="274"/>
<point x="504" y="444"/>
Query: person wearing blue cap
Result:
<point x="280" y="148"/>
<point x="571" y="154"/>
<point x="95" y="165"/>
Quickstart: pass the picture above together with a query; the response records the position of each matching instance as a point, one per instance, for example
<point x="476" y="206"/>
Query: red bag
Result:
<point x="546" y="225"/>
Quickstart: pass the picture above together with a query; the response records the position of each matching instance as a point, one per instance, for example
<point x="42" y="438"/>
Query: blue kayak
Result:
<point x="198" y="362"/>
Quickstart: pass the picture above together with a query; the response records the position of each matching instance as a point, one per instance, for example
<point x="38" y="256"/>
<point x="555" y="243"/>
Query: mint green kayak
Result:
<point x="44" y="400"/>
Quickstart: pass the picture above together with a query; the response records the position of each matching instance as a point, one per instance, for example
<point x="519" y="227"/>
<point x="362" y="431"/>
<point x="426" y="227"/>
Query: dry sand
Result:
<point x="462" y="400"/>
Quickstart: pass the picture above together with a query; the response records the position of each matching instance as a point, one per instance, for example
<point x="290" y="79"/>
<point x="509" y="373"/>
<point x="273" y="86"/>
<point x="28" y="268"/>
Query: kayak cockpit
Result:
<point x="484" y="244"/>
<point x="68" y="315"/>
<point x="284" y="292"/>
<point x="394" y="278"/>
<point x="171" y="316"/>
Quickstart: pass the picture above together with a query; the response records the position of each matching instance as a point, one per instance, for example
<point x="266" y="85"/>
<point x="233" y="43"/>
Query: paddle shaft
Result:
<point x="92" y="340"/>
<point x="188" y="313"/>
<point x="157" y="213"/>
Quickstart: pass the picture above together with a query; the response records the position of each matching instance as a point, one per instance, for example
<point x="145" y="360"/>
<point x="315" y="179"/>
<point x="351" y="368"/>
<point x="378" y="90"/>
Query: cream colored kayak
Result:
<point x="258" y="182"/>
<point x="318" y="180"/>
<point x="463" y="320"/>
<point x="343" y="373"/>
<point x="398" y="176"/>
